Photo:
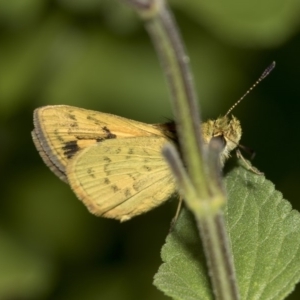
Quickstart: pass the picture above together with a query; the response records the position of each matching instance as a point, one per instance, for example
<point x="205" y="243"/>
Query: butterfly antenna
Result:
<point x="266" y="72"/>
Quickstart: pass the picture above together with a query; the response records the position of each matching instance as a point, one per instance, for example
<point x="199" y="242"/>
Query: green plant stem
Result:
<point x="199" y="186"/>
<point x="175" y="64"/>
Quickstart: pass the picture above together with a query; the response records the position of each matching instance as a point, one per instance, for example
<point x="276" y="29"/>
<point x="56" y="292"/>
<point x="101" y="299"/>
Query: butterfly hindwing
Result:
<point x="121" y="179"/>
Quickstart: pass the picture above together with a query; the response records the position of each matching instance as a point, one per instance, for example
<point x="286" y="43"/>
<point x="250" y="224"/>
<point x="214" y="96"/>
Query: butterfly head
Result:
<point x="227" y="129"/>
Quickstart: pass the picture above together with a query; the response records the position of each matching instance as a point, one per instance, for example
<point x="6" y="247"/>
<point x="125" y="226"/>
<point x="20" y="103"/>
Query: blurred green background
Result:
<point x="96" y="54"/>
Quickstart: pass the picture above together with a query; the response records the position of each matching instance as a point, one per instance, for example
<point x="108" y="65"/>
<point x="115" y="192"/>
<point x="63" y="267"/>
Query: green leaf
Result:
<point x="264" y="233"/>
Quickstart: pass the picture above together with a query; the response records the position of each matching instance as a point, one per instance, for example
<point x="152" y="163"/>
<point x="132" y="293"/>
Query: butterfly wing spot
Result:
<point x="91" y="117"/>
<point x="109" y="135"/>
<point x="72" y="117"/>
<point x="132" y="176"/>
<point x="115" y="188"/>
<point x="127" y="193"/>
<point x="57" y="135"/>
<point x="70" y="149"/>
<point x="147" y="168"/>
<point x="136" y="186"/>
<point x="91" y="171"/>
<point x="107" y="159"/>
<point x="130" y="152"/>
<point x="106" y="181"/>
<point x="107" y="173"/>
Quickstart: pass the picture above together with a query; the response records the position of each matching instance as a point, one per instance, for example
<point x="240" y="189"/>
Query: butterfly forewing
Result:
<point x="121" y="180"/>
<point x="61" y="131"/>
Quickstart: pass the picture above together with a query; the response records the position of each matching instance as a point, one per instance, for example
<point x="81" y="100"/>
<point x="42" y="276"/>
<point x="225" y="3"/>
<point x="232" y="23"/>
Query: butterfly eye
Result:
<point x="220" y="140"/>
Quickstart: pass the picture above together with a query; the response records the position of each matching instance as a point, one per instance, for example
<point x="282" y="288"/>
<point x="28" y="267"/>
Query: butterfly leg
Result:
<point x="174" y="220"/>
<point x="248" y="165"/>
